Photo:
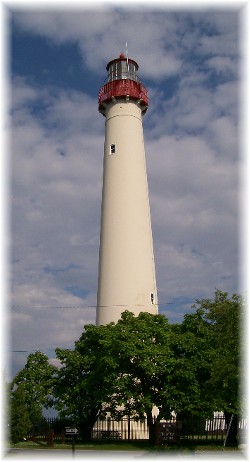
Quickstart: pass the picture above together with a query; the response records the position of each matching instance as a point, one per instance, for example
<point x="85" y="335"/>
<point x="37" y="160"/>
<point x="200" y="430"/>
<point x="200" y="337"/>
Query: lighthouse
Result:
<point x="126" y="276"/>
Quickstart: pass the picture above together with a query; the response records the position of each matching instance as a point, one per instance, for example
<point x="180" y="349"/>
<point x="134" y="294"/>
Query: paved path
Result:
<point x="58" y="454"/>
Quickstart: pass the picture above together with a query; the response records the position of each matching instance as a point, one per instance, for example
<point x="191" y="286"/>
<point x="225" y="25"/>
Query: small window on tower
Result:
<point x="112" y="149"/>
<point x="152" y="298"/>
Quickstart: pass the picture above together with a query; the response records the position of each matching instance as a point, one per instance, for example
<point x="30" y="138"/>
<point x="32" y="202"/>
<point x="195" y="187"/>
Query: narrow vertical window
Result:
<point x="152" y="298"/>
<point x="112" y="149"/>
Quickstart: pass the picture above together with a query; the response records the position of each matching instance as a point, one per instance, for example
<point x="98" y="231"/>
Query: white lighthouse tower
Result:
<point x="126" y="260"/>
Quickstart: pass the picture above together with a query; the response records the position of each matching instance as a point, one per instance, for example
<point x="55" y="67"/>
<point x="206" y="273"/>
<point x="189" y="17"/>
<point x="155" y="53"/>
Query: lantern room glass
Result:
<point x="121" y="70"/>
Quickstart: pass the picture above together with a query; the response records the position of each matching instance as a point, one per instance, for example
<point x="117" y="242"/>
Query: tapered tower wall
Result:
<point x="126" y="260"/>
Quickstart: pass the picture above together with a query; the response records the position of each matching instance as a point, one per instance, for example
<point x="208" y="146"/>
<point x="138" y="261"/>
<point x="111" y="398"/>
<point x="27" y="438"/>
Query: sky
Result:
<point x="190" y="59"/>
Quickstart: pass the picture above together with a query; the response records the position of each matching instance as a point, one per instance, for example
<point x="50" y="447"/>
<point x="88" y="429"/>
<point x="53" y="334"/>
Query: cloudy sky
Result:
<point x="190" y="61"/>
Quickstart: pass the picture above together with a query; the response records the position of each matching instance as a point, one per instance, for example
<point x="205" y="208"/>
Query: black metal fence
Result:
<point x="191" y="429"/>
<point x="129" y="429"/>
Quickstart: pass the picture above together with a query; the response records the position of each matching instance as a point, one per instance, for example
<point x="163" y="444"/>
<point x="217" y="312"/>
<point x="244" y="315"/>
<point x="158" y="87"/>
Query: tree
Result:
<point x="140" y="362"/>
<point x="125" y="369"/>
<point x="85" y="380"/>
<point x="149" y="372"/>
<point x="36" y="379"/>
<point x="20" y="423"/>
<point x="225" y="314"/>
<point x="216" y="325"/>
<point x="142" y="348"/>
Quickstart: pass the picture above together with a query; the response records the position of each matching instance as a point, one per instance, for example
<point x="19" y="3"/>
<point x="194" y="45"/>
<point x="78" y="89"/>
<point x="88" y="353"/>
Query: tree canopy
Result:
<point x="127" y="368"/>
<point x="37" y="380"/>
<point x="85" y="380"/>
<point x="216" y="325"/>
<point x="140" y="362"/>
<point x="20" y="423"/>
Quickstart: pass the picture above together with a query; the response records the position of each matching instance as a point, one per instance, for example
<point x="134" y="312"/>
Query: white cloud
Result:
<point x="224" y="137"/>
<point x="223" y="65"/>
<point x="194" y="202"/>
<point x="64" y="26"/>
<point x="57" y="149"/>
<point x="102" y="35"/>
<point x="226" y="99"/>
<point x="21" y="93"/>
<point x="161" y="46"/>
<point x="56" y="207"/>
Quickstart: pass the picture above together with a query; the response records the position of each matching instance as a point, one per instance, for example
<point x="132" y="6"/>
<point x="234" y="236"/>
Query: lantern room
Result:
<point x="122" y="68"/>
<point x="123" y="82"/>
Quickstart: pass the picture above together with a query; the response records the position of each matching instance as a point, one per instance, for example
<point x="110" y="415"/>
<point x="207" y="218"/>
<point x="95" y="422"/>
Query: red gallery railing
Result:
<point x="121" y="88"/>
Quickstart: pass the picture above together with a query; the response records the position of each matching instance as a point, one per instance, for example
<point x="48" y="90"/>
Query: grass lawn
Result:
<point x="123" y="445"/>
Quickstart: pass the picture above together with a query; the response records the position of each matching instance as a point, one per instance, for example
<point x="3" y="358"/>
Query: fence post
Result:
<point x="228" y="430"/>
<point x="157" y="438"/>
<point x="109" y="424"/>
<point x="129" y="428"/>
<point x="50" y="438"/>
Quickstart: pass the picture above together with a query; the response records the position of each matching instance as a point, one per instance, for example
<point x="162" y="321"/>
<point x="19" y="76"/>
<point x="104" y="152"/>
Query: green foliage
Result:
<point x="150" y="371"/>
<point x="20" y="423"/>
<point x="36" y="379"/>
<point x="127" y="368"/>
<point x="85" y="379"/>
<point x="216" y="327"/>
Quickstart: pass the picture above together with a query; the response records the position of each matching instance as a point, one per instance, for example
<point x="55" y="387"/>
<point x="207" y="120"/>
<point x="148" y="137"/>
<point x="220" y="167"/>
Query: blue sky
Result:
<point x="189" y="59"/>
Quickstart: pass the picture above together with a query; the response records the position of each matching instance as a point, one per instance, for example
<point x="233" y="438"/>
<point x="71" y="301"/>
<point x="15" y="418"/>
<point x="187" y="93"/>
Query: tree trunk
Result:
<point x="233" y="431"/>
<point x="151" y="428"/>
<point x="85" y="431"/>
